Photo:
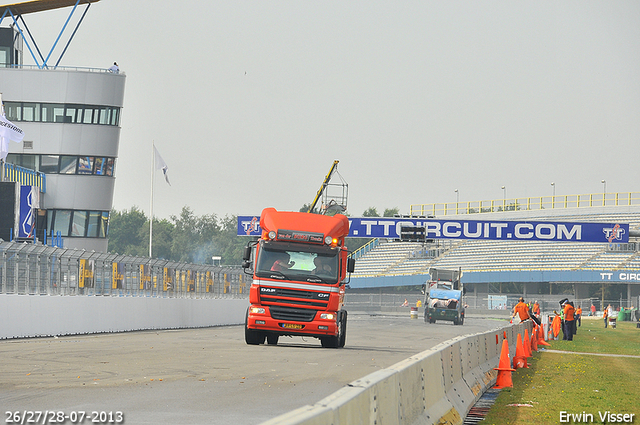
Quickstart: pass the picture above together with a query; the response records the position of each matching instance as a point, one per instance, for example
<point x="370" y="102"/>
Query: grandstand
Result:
<point x="394" y="263"/>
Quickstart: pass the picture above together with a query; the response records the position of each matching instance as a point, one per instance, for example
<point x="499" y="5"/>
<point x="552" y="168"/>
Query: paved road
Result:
<point x="208" y="375"/>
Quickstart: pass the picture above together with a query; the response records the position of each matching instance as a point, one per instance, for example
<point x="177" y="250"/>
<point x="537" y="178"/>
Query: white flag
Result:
<point x="161" y="165"/>
<point x="8" y="131"/>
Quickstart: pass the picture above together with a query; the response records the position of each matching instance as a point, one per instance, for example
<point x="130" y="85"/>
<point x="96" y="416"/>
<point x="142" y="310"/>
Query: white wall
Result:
<point x="35" y="315"/>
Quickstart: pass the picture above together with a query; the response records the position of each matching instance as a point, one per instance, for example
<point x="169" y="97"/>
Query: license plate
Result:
<point x="291" y="326"/>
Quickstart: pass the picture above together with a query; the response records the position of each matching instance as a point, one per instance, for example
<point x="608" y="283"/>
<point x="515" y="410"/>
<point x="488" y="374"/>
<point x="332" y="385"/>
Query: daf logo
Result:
<point x="270" y="290"/>
<point x="321" y="295"/>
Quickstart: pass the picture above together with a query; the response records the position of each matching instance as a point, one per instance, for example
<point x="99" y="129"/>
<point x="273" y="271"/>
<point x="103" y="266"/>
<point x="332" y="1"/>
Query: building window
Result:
<point x="78" y="223"/>
<point x="62" y="113"/>
<point x="68" y="164"/>
<point x="64" y="164"/>
<point x="49" y="164"/>
<point x="85" y="164"/>
<point x="61" y="221"/>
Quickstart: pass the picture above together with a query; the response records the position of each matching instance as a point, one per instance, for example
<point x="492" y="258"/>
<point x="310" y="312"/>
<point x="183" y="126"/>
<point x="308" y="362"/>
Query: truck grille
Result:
<point x="294" y="298"/>
<point x="294" y="314"/>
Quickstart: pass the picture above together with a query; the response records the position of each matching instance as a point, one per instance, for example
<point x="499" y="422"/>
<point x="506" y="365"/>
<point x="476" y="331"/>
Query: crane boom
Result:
<point x="324" y="185"/>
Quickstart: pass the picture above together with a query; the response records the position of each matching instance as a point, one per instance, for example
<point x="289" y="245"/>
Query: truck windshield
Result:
<point x="302" y="263"/>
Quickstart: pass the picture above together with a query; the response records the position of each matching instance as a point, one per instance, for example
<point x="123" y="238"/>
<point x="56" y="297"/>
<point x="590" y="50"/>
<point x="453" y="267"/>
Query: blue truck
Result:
<point x="444" y="296"/>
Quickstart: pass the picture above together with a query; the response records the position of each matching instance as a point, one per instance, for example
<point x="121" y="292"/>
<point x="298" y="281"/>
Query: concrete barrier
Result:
<point x="439" y="385"/>
<point x="24" y="316"/>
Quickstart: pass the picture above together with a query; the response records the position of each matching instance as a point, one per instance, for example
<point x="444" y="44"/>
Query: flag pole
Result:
<point x="153" y="169"/>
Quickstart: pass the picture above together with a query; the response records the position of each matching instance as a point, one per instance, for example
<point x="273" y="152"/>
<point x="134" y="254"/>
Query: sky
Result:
<point x="250" y="102"/>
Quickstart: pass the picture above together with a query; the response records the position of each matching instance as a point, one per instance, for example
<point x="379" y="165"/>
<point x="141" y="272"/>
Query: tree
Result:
<point x="126" y="230"/>
<point x="371" y="212"/>
<point x="390" y="212"/>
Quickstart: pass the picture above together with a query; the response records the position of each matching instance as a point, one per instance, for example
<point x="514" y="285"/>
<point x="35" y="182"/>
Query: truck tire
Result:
<point x="272" y="339"/>
<point x="335" y="341"/>
<point x="343" y="335"/>
<point x="461" y="320"/>
<point x="251" y="336"/>
<point x="455" y="321"/>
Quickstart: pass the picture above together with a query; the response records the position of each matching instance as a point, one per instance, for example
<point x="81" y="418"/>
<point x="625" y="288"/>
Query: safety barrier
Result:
<point x="48" y="291"/>
<point x="439" y="385"/>
<point x="34" y="269"/>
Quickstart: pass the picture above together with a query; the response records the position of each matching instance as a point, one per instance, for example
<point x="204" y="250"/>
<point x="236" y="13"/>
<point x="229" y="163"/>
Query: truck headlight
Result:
<point x="257" y="310"/>
<point x="327" y="316"/>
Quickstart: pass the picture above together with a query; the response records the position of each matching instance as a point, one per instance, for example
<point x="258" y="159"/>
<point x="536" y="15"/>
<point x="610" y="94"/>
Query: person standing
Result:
<point x="536" y="308"/>
<point x="569" y="320"/>
<point x="579" y="316"/>
<point x="521" y="309"/>
<point x="605" y="314"/>
<point x="593" y="309"/>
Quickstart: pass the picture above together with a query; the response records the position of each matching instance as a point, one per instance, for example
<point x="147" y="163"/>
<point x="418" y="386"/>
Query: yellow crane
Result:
<point x="335" y="201"/>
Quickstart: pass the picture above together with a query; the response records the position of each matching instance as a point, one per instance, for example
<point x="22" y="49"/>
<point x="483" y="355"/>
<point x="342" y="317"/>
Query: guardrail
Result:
<point x="24" y="176"/>
<point x="65" y="68"/>
<point x="533" y="203"/>
<point x="434" y="387"/>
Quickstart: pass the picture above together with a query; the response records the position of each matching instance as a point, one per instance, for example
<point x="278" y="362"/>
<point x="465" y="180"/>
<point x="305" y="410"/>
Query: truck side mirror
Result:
<point x="423" y="289"/>
<point x="247" y="254"/>
<point x="351" y="265"/>
<point x="246" y="264"/>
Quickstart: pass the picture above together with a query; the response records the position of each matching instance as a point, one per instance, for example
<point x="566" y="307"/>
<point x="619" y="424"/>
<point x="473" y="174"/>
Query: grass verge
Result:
<point x="578" y="384"/>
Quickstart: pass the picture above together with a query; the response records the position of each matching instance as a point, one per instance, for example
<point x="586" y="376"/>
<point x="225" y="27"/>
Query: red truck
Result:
<point x="299" y="266"/>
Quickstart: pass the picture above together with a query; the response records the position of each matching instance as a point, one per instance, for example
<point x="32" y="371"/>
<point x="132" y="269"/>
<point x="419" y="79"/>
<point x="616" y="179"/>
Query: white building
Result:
<point x="71" y="121"/>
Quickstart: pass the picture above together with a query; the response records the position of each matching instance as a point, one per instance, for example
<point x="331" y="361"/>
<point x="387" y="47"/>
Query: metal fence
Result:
<point x="35" y="269"/>
<point x="533" y="203"/>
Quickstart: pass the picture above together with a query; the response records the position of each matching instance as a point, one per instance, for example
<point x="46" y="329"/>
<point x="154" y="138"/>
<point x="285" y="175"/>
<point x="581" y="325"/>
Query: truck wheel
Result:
<point x="272" y="339"/>
<point x="334" y="341"/>
<point x="251" y="336"/>
<point x="461" y="320"/>
<point x="343" y="334"/>
<point x="455" y="321"/>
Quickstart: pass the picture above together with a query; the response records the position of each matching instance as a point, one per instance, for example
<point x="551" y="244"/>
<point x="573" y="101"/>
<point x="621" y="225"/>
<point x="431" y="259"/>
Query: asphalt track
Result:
<point x="205" y="375"/>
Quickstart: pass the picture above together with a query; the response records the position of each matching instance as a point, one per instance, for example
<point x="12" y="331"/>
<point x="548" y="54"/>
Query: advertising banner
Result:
<point x="145" y="276"/>
<point x="383" y="227"/>
<point x="86" y="273"/>
<point x="117" y="276"/>
<point x="26" y="216"/>
<point x="168" y="278"/>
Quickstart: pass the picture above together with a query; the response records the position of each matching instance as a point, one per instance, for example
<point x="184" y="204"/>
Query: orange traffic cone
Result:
<point x="527" y="344"/>
<point x="519" y="360"/>
<point x="504" y="371"/>
<point x="541" y="340"/>
<point x="534" y="340"/>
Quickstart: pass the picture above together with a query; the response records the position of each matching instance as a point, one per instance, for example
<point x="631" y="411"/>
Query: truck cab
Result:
<point x="300" y="266"/>
<point x="444" y="296"/>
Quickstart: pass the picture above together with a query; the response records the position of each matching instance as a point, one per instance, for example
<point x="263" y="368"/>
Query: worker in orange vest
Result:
<point x="569" y="320"/>
<point x="579" y="316"/>
<point x="521" y="309"/>
<point x="536" y="309"/>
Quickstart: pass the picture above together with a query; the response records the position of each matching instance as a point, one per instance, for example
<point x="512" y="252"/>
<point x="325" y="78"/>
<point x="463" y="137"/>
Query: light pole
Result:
<point x="504" y="193"/>
<point x="553" y="198"/>
<point x="604" y="186"/>
<point x="457" y="196"/>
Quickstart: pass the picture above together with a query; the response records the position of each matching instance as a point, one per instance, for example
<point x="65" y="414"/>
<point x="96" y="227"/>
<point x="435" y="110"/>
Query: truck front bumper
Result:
<point x="323" y="324"/>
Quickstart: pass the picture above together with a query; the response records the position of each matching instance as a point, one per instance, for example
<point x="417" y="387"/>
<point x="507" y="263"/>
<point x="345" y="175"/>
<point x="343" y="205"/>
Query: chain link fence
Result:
<point x="34" y="269"/>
